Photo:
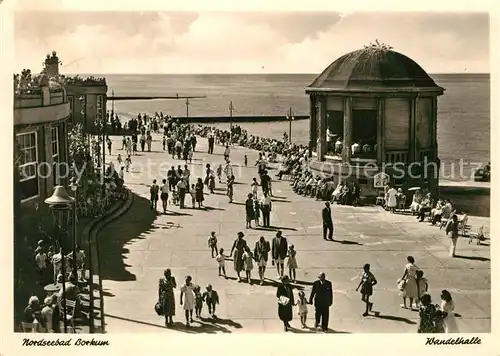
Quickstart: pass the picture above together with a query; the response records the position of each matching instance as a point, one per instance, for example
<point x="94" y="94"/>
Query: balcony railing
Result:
<point x="41" y="98"/>
<point x="88" y="81"/>
<point x="396" y="157"/>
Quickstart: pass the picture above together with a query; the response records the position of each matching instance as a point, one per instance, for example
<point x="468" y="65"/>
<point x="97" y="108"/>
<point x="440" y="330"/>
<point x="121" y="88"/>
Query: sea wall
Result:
<point x="237" y="119"/>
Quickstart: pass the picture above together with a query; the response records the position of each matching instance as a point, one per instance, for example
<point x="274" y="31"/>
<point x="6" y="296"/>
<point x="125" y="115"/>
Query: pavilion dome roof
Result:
<point x="372" y="69"/>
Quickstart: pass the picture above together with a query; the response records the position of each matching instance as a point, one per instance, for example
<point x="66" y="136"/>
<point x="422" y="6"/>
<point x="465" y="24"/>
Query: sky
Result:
<point x="244" y="42"/>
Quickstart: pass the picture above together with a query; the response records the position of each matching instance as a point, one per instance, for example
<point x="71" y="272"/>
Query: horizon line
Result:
<point x="253" y="73"/>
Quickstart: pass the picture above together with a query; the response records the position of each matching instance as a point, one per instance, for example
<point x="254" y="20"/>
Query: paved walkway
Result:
<point x="140" y="245"/>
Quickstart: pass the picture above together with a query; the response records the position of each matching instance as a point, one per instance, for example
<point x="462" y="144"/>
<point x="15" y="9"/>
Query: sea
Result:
<point x="463" y="111"/>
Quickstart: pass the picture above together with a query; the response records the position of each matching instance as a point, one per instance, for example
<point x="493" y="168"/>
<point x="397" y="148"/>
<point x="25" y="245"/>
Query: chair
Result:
<point x="381" y="198"/>
<point x="28" y="327"/>
<point x="446" y="218"/>
<point x="70" y="314"/>
<point x="478" y="235"/>
<point x="462" y="225"/>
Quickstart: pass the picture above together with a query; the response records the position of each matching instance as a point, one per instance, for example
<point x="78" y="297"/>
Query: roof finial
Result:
<point x="378" y="46"/>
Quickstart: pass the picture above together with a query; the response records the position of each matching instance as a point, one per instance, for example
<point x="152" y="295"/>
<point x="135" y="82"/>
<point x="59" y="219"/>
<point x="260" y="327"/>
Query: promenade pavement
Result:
<point x="137" y="247"/>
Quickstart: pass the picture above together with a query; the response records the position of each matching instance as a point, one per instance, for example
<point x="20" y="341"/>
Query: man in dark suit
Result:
<point x="279" y="252"/>
<point x="327" y="222"/>
<point x="322" y="293"/>
<point x="211" y="297"/>
<point x="211" y="141"/>
<point x="153" y="190"/>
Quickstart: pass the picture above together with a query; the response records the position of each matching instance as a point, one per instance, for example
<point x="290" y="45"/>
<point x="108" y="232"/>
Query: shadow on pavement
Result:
<point x="307" y="330"/>
<point x="274" y="228"/>
<point x="134" y="321"/>
<point x="210" y="208"/>
<point x="86" y="291"/>
<point x="280" y="200"/>
<point x="113" y="238"/>
<point x="220" y="321"/>
<point x="175" y="213"/>
<point x="394" y="318"/>
<point x="199" y="327"/>
<point x="346" y="242"/>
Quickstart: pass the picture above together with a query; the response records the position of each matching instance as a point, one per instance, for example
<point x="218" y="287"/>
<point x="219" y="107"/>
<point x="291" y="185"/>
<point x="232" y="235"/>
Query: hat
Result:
<point x="240" y="234"/>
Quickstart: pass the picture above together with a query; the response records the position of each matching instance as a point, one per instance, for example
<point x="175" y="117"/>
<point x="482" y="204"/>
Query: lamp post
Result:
<point x="60" y="204"/>
<point x="103" y="129"/>
<point x="231" y="108"/>
<point x="74" y="187"/>
<point x="83" y="113"/>
<point x="290" y="118"/>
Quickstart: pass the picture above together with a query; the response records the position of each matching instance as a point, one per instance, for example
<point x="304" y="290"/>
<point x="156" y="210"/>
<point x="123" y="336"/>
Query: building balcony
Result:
<point x="41" y="107"/>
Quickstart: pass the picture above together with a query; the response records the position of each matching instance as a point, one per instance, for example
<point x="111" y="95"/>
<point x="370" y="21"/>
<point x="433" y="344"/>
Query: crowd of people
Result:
<point x="54" y="270"/>
<point x="414" y="287"/>
<point x="180" y="139"/>
<point x="295" y="165"/>
<point x="244" y="257"/>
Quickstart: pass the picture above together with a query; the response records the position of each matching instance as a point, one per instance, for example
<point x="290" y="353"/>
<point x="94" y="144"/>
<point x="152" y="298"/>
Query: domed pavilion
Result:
<point x="374" y="110"/>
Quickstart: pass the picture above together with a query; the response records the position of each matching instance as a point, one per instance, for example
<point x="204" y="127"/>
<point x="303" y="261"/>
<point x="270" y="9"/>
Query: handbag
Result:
<point x="401" y="284"/>
<point x="159" y="308"/>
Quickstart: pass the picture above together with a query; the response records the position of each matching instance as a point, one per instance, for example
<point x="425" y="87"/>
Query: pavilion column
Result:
<point x="434" y="173"/>
<point x="312" y="124"/>
<point x="433" y="126"/>
<point x="412" y="134"/>
<point x="321" y="139"/>
<point x="346" y="143"/>
<point x="380" y="130"/>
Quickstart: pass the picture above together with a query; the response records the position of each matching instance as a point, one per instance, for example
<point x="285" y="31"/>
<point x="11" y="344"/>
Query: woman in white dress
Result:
<point x="417" y="199"/>
<point x="408" y="283"/>
<point x="392" y="199"/>
<point x="448" y="307"/>
<point x="187" y="299"/>
<point x="337" y="191"/>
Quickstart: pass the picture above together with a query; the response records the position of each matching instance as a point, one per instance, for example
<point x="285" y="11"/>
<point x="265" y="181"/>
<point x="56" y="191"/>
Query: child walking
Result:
<point x="367" y="282"/>
<point x="219" y="172"/>
<point x="192" y="192"/>
<point x="198" y="301"/>
<point x="246" y="160"/>
<point x="128" y="162"/>
<point x="254" y="188"/>
<point x="248" y="262"/>
<point x="221" y="260"/>
<point x="211" y="297"/>
<point x="301" y="304"/>
<point x="175" y="196"/>
<point x="119" y="159"/>
<point x="292" y="262"/>
<point x="212" y="244"/>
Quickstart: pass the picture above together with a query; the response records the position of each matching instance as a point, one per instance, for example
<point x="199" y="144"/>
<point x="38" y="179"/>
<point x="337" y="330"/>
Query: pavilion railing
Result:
<point x="396" y="157"/>
<point x="426" y="153"/>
